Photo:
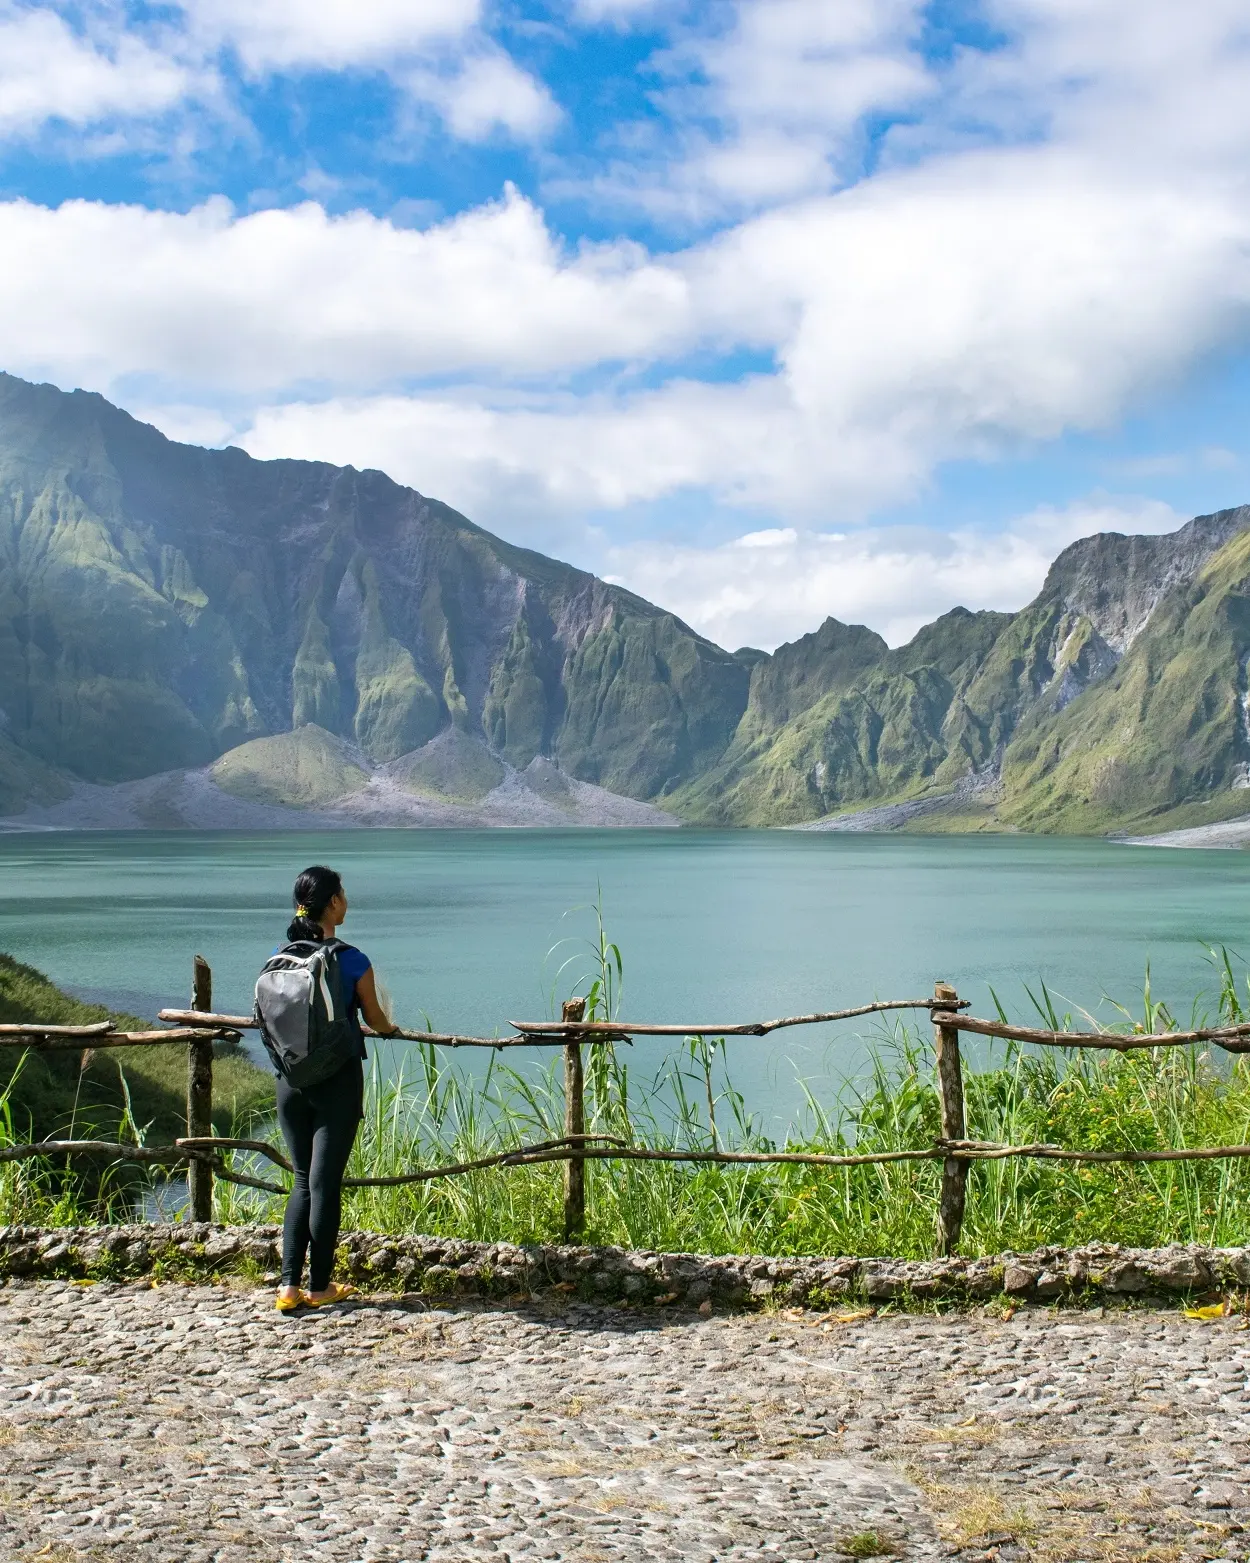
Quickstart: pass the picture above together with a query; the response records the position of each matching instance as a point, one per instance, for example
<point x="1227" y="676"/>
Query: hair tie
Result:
<point x="301" y="911"/>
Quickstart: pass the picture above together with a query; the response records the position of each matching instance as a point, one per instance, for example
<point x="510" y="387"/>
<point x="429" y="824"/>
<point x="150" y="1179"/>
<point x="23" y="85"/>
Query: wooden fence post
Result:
<point x="951" y="1092"/>
<point x="574" y="1123"/>
<point x="200" y="1097"/>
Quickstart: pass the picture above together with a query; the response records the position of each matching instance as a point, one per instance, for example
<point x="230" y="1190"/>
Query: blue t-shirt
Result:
<point x="353" y="964"/>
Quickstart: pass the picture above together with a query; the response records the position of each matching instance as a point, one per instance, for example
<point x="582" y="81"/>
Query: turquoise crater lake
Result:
<point x="714" y="926"/>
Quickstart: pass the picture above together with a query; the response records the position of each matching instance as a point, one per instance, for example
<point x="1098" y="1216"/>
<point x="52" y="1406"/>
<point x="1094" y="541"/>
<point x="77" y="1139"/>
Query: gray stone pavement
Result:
<point x="194" y="1424"/>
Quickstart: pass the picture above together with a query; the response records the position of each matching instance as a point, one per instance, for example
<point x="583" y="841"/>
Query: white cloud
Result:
<point x="619" y="12"/>
<point x="188" y="425"/>
<point x="948" y="311"/>
<point x="329" y="34"/>
<point x="49" y="71"/>
<point x="109" y="71"/>
<point x="485" y="93"/>
<point x="435" y="50"/>
<point x="953" y="309"/>
<point x="1150" y="80"/>
<point x="933" y="315"/>
<point x="761" y="593"/>
<point x="965" y="300"/>
<point x="508" y="461"/>
<point x="767" y="107"/>
<point x="279" y="299"/>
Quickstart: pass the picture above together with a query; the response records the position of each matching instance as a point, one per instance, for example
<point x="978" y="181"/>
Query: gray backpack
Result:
<point x="302" y="1014"/>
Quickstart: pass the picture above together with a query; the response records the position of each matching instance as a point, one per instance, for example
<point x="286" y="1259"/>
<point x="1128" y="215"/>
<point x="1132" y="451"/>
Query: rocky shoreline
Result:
<point x="447" y="1267"/>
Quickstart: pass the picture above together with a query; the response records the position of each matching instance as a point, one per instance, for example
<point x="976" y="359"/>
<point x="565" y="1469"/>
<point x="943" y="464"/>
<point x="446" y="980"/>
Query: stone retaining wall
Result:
<point x="447" y="1266"/>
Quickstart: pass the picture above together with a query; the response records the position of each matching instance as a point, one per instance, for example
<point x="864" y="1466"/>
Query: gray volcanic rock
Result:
<point x="1116" y="582"/>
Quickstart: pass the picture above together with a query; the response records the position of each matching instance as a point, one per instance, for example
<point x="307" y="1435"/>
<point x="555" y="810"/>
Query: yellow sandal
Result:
<point x="289" y="1304"/>
<point x="336" y="1294"/>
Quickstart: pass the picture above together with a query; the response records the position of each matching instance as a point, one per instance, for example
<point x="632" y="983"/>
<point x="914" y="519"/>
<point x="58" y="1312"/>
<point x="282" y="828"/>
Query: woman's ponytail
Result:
<point x="315" y="888"/>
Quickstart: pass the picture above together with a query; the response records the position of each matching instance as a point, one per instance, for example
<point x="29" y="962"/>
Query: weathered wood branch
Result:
<point x="200" y="1096"/>
<point x="950" y="1081"/>
<point x="574" y="1126"/>
<point x="978" y="1150"/>
<point x="27" y="1029"/>
<point x="50" y="1041"/>
<point x="611" y="1030"/>
<point x="1234" y="1039"/>
<point x="159" y="1155"/>
<point x="148" y="1155"/>
<point x="593" y="1147"/>
<point x="437" y="1038"/>
<point x="257" y="1147"/>
<point x="555" y="1033"/>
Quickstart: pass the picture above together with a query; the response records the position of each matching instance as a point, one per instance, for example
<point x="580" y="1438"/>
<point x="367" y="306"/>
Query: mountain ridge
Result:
<point x="1019" y="721"/>
<point x="173" y="612"/>
<point x="162" y="604"/>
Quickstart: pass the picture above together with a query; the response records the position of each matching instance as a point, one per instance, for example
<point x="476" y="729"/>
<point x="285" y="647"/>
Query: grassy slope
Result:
<point x="194" y="600"/>
<point x="1088" y="746"/>
<point x="53" y="1091"/>
<point x="895" y="728"/>
<point x="300" y="770"/>
<point x="1158" y="739"/>
<point x="453" y="767"/>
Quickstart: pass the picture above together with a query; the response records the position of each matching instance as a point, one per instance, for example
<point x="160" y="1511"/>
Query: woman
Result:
<point x="319" y="1122"/>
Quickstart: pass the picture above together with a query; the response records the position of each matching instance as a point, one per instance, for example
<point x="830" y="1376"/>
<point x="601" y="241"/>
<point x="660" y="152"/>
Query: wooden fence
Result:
<point x="198" y="1027"/>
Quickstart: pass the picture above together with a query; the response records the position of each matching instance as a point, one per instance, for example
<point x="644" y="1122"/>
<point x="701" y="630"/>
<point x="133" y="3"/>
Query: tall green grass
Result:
<point x="1082" y="1099"/>
<point x="440" y="1110"/>
<point x="133" y="1094"/>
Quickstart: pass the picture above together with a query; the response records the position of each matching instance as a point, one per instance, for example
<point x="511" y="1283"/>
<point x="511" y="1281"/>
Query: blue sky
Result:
<point x="769" y="309"/>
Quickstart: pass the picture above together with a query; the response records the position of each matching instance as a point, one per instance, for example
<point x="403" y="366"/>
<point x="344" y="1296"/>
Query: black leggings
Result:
<point x="319" y="1125"/>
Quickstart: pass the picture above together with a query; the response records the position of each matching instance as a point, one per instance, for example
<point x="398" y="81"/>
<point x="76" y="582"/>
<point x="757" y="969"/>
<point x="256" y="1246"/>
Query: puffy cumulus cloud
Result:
<point x="933" y="315"/>
<point x="765" y="102"/>
<point x="1147" y="80"/>
<point x="959" y="307"/>
<point x="509" y="461"/>
<point x="485" y="93"/>
<point x="214" y="301"/>
<point x="328" y="34"/>
<point x="49" y="71"/>
<point x="949" y="311"/>
<point x="773" y="585"/>
<point x="110" y="69"/>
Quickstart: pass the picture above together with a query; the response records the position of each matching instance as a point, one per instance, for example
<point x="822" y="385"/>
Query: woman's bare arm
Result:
<point x="376" y="1017"/>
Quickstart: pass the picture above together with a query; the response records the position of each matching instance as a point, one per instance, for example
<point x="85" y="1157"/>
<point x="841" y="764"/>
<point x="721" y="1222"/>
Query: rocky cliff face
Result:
<point x="161" y="605"/>
<point x="1117" y="582"/>
<point x="1117" y="697"/>
<point x="164" y="608"/>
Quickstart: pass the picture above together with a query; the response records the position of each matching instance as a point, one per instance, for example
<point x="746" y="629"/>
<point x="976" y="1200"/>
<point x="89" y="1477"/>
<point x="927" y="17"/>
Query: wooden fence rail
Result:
<point x="202" y="1152"/>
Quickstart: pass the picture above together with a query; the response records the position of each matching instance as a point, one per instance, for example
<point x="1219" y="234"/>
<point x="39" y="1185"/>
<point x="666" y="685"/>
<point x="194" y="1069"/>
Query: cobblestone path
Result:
<point x="188" y="1424"/>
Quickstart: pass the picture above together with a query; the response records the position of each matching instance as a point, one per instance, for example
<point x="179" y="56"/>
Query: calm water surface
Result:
<point x="713" y="926"/>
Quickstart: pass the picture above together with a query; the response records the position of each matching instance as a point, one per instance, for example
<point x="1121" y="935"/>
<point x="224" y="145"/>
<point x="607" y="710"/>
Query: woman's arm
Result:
<point x="376" y="1017"/>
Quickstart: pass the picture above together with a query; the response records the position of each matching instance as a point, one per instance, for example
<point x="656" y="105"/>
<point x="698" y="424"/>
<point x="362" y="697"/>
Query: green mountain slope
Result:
<point x="295" y="634"/>
<point x="1166" y="730"/>
<point x="161" y="605"/>
<point x="887" y="726"/>
<point x="1115" y="698"/>
<point x="48" y="1094"/>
